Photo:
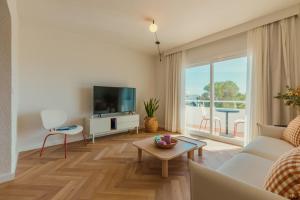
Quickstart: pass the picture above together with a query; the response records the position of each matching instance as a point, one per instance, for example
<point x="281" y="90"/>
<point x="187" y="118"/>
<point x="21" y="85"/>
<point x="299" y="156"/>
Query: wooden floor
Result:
<point x="106" y="170"/>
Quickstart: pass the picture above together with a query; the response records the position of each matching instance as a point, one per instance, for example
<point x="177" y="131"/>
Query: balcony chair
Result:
<point x="235" y="125"/>
<point x="205" y="119"/>
<point x="52" y="121"/>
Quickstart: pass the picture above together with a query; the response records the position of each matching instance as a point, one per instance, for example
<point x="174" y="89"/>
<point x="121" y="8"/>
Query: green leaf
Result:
<point x="151" y="106"/>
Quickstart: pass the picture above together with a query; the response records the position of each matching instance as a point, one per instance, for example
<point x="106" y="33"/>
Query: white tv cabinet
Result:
<point x="100" y="126"/>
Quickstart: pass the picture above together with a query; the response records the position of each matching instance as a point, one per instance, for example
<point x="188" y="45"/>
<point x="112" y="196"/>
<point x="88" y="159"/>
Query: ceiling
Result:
<point x="126" y="21"/>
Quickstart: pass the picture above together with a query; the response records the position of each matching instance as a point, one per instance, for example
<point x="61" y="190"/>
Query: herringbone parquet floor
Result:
<point x="107" y="170"/>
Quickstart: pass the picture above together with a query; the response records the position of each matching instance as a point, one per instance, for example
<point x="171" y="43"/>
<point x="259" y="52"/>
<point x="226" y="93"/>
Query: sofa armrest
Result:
<point x="270" y="131"/>
<point x="212" y="185"/>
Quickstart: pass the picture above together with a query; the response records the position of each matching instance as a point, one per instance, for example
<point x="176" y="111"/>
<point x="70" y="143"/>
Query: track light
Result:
<point x="153" y="29"/>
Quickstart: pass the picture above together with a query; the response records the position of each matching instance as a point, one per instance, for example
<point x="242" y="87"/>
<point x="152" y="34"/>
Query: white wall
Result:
<point x="12" y="5"/>
<point x="57" y="69"/>
<point x="6" y="147"/>
<point x="298" y="45"/>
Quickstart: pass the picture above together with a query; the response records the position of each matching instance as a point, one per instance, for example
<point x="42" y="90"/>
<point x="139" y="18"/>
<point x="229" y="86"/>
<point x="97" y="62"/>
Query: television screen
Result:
<point x="113" y="99"/>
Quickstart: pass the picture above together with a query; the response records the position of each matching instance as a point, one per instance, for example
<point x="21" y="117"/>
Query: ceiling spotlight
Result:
<point x="153" y="27"/>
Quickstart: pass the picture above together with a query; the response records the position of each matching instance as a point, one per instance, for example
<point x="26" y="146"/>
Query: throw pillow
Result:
<point x="284" y="175"/>
<point x="292" y="133"/>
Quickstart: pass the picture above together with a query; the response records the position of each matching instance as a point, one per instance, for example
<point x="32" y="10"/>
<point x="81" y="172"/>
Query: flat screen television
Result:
<point x="113" y="100"/>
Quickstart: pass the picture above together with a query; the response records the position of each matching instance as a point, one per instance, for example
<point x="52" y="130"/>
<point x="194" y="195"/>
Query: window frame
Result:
<point x="211" y="135"/>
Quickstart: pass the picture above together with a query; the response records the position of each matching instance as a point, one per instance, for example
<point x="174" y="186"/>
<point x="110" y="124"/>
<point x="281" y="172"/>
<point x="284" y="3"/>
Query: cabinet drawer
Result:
<point x="100" y="125"/>
<point x="128" y="118"/>
<point x="126" y="125"/>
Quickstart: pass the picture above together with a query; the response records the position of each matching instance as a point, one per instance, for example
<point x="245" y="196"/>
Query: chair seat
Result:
<point x="207" y="118"/>
<point x="73" y="131"/>
<point x="217" y="118"/>
<point x="239" y="121"/>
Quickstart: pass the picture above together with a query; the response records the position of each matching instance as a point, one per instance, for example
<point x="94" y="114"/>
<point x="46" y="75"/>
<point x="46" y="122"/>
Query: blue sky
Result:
<point x="234" y="69"/>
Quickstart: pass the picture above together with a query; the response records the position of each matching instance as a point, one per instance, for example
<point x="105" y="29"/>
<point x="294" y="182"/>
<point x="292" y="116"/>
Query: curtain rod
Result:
<point x="242" y="28"/>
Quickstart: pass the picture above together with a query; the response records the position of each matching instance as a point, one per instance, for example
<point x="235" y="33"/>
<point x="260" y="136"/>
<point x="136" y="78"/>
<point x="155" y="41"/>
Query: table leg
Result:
<point x="140" y="155"/>
<point x="164" y="168"/>
<point x="226" y="123"/>
<point x="200" y="151"/>
<point x="191" y="155"/>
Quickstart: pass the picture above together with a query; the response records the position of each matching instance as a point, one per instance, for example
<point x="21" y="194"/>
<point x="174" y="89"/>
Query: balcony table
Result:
<point x="227" y="110"/>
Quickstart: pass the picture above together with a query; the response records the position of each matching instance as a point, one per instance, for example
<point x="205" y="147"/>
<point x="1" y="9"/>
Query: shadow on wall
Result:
<point x="31" y="132"/>
<point x="29" y="122"/>
<point x="85" y="104"/>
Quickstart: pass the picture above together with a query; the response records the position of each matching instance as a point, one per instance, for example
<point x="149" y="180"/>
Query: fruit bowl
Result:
<point x="165" y="142"/>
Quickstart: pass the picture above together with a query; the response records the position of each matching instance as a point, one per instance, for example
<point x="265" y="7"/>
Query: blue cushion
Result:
<point x="66" y="128"/>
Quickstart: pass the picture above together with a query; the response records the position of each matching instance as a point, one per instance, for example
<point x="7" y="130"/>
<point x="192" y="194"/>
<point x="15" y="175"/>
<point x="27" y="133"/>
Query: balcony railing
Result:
<point x="204" y="102"/>
<point x="194" y="115"/>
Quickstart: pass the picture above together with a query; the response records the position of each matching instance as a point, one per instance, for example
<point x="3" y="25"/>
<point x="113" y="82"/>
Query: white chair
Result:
<point x="205" y="119"/>
<point x="53" y="120"/>
<point x="236" y="123"/>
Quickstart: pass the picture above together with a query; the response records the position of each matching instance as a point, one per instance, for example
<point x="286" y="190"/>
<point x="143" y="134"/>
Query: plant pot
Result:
<point x="151" y="124"/>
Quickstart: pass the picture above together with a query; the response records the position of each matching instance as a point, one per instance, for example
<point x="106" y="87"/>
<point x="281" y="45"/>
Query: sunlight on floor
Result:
<point x="213" y="145"/>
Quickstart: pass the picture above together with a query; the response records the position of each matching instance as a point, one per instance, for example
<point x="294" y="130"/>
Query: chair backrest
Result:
<point x="53" y="118"/>
<point x="203" y="111"/>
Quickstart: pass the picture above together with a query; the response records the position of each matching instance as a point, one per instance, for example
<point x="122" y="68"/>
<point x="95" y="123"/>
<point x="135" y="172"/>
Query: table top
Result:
<point x="199" y="143"/>
<point x="229" y="110"/>
<point x="165" y="154"/>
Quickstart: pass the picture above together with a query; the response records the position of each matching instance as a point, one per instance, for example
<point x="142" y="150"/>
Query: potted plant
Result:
<point x="291" y="97"/>
<point x="150" y="122"/>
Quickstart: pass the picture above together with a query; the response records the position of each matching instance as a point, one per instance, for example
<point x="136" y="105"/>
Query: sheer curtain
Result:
<point x="174" y="113"/>
<point x="272" y="66"/>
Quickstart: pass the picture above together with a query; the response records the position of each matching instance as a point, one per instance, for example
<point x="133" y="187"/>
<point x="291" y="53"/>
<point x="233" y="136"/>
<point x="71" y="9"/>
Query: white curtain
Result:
<point x="272" y="66"/>
<point x="174" y="92"/>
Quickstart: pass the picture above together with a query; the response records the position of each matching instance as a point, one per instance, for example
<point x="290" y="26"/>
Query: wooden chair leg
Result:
<point x="215" y="125"/>
<point x="43" y="147"/>
<point x="65" y="144"/>
<point x="190" y="155"/>
<point x="234" y="129"/>
<point x="201" y="123"/>
<point x="84" y="138"/>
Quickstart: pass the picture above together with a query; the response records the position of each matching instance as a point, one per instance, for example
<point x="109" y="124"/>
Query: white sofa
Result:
<point x="243" y="176"/>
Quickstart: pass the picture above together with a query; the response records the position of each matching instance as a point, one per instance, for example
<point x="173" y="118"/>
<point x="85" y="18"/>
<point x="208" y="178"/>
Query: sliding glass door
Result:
<point x="197" y="98"/>
<point x="215" y="97"/>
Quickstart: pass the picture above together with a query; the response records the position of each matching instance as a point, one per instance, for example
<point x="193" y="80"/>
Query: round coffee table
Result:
<point x="227" y="110"/>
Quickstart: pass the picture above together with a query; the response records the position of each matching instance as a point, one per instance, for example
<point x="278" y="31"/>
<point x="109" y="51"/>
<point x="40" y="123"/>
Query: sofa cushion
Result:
<point x="267" y="147"/>
<point x="248" y="168"/>
<point x="292" y="133"/>
<point x="284" y="175"/>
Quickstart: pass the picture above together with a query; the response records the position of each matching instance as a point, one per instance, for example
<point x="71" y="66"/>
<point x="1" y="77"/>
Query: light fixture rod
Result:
<point x="157" y="42"/>
<point x="153" y="29"/>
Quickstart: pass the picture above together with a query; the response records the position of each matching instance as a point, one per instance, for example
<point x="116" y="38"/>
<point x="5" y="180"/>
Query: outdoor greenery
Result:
<point x="224" y="91"/>
<point x="151" y="106"/>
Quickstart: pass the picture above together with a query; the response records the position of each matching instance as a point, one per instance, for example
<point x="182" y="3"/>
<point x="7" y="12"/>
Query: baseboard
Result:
<point x="6" y="177"/>
<point x="52" y="142"/>
<point x="57" y="141"/>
